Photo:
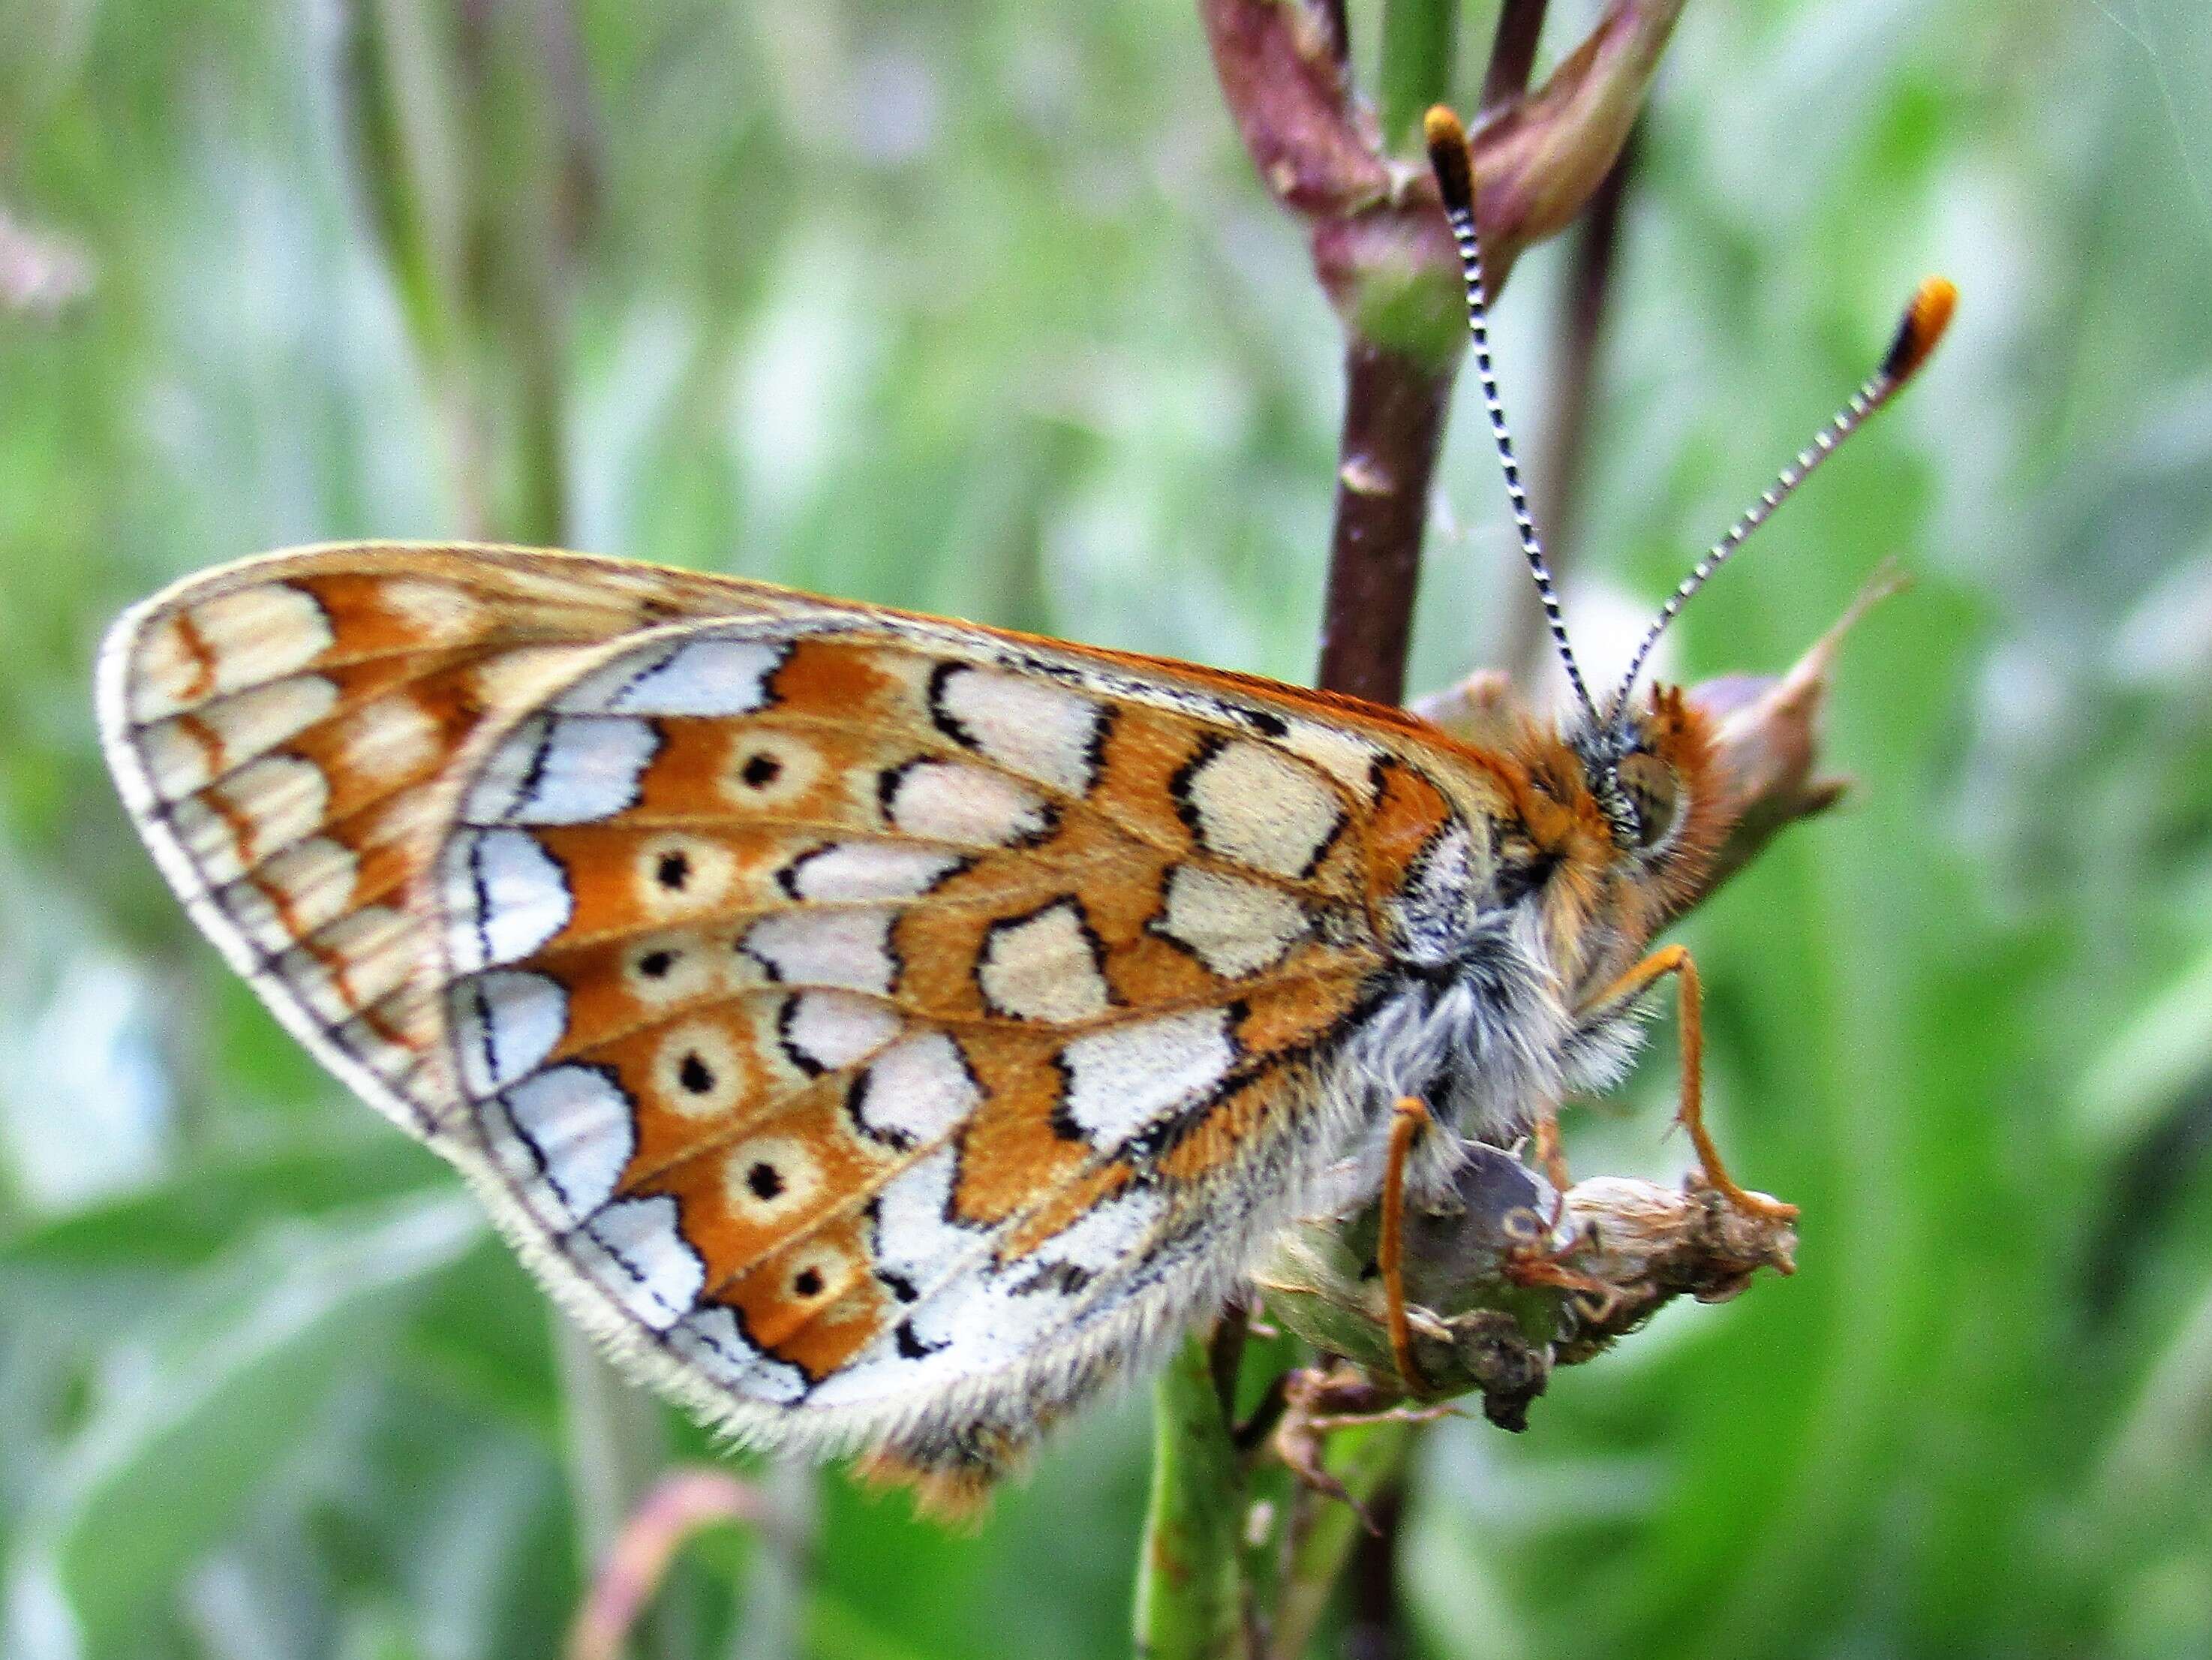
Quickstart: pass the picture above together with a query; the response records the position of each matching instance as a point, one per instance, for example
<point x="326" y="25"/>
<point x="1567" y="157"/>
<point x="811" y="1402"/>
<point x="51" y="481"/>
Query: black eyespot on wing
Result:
<point x="672" y="870"/>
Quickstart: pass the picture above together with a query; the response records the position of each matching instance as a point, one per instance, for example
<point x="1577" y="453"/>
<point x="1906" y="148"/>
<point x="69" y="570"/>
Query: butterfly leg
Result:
<point x="1550" y="1155"/>
<point x="1319" y="1401"/>
<point x="1408" y="1119"/>
<point x="1676" y="960"/>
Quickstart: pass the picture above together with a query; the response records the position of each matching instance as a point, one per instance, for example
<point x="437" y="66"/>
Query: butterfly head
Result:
<point x="1632" y="769"/>
<point x="1654" y="781"/>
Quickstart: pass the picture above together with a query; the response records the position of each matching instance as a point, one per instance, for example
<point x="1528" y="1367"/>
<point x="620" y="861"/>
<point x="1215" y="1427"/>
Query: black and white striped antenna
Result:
<point x="1925" y="320"/>
<point x="1448" y="155"/>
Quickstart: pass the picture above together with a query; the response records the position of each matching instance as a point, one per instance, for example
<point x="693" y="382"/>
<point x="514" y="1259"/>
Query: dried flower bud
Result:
<point x="1511" y="1279"/>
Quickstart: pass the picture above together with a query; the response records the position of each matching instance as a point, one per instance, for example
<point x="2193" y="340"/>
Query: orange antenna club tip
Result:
<point x="1923" y="326"/>
<point x="1448" y="155"/>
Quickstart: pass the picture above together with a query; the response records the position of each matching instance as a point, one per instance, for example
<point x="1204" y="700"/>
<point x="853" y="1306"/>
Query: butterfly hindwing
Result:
<point x="866" y="1015"/>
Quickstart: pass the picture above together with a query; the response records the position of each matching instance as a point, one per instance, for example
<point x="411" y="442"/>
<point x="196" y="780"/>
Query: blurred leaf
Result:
<point x="210" y="1203"/>
<point x="166" y="1469"/>
<point x="2163" y="1052"/>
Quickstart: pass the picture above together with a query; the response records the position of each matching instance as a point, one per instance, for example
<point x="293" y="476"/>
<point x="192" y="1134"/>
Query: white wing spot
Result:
<point x="1234" y="926"/>
<point x="552" y="771"/>
<point x="265" y="805"/>
<point x="224" y="644"/>
<point x="440" y="612"/>
<point x="1024" y="723"/>
<point x="232" y="730"/>
<point x="711" y="1340"/>
<point x="846" y="949"/>
<point x="1044" y="967"/>
<point x="633" y="1252"/>
<point x="563" y="1139"/>
<point x="505" y="897"/>
<point x="967" y="806"/>
<point x="981" y="1318"/>
<point x="1123" y="1080"/>
<point x="505" y="1023"/>
<point x="360" y="958"/>
<point x="1253" y="804"/>
<point x="829" y="1031"/>
<point x="696" y="678"/>
<point x="912" y="1236"/>
<point x="307" y="887"/>
<point x="915" y="1092"/>
<point x="1346" y="757"/>
<point x="389" y="739"/>
<point x="867" y="870"/>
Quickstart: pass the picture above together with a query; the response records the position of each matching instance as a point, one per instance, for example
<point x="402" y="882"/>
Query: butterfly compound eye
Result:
<point x="1656" y="793"/>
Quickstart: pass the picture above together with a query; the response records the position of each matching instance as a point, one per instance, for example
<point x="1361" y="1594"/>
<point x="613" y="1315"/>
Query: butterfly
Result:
<point x="882" y="1032"/>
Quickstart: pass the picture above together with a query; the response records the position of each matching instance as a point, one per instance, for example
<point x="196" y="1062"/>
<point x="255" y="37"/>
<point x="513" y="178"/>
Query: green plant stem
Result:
<point x="1189" y="1577"/>
<point x="1420" y="45"/>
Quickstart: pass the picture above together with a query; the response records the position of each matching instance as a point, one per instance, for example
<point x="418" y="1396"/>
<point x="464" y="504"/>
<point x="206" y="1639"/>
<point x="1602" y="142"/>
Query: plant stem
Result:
<point x="1512" y="51"/>
<point x="1394" y="420"/>
<point x="1189" y="1585"/>
<point x="772" y="1612"/>
<point x="1367" y="1461"/>
<point x="616" y="1442"/>
<point x="1420" y="45"/>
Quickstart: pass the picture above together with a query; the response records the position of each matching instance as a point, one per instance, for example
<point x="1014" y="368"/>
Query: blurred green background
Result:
<point x="979" y="308"/>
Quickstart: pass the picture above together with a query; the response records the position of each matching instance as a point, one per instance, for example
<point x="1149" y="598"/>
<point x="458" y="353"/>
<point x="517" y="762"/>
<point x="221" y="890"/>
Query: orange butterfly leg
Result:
<point x="1676" y="960"/>
<point x="1408" y="1119"/>
<point x="1550" y="1154"/>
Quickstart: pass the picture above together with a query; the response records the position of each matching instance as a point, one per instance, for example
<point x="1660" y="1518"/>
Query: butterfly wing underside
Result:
<point x="877" y="1030"/>
<point x="276" y="728"/>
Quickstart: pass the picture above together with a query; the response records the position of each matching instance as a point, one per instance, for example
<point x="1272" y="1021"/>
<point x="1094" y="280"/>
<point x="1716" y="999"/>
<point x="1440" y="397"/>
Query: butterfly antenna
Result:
<point x="1925" y="320"/>
<point x="1449" y="157"/>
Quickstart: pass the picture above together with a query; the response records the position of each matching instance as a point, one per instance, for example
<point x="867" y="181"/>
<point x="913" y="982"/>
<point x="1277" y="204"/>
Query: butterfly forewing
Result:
<point x="276" y="728"/>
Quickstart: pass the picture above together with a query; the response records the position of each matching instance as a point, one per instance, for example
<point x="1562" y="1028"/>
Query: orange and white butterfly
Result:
<point x="879" y="1030"/>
